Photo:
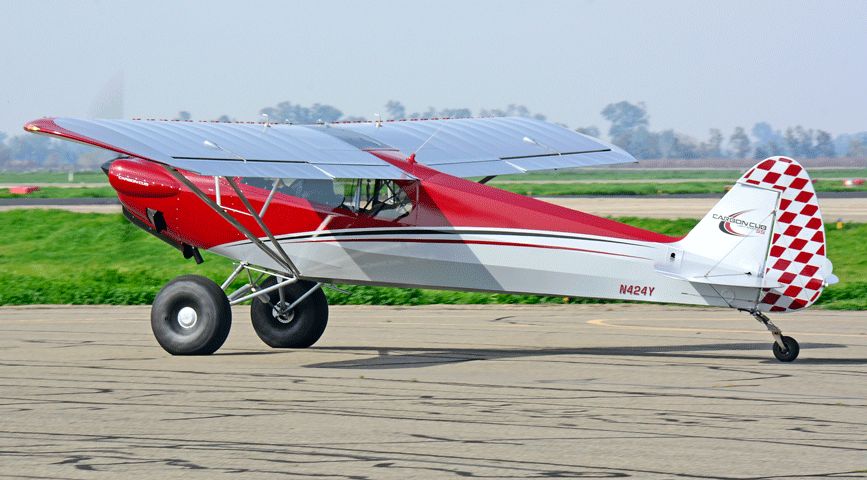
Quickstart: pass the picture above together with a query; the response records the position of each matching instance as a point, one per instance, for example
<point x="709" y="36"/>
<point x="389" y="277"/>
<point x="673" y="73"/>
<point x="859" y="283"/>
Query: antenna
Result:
<point x="411" y="157"/>
<point x="214" y="146"/>
<point x="540" y="144"/>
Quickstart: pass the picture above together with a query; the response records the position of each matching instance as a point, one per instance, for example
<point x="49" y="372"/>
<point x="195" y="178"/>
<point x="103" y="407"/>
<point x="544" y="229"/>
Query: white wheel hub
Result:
<point x="281" y="314"/>
<point x="187" y="317"/>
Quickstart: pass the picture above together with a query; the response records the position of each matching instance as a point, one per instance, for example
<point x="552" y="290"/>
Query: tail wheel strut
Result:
<point x="786" y="349"/>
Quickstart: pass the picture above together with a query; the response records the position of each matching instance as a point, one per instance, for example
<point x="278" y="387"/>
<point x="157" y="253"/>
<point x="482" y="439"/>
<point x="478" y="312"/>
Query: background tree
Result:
<point x="800" y="142"/>
<point x="676" y="145"/>
<point x="591" y="130"/>
<point x="629" y="129"/>
<point x="713" y="147"/>
<point x="4" y="151"/>
<point x="640" y="142"/>
<point x="292" y="113"/>
<point x="858" y="146"/>
<point x="768" y="142"/>
<point x="740" y="143"/>
<point x="513" y="110"/>
<point x="625" y="117"/>
<point x="824" y="144"/>
<point x="395" y="110"/>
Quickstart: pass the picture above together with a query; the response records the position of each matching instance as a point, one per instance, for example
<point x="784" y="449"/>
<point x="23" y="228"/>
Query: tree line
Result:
<point x="629" y="129"/>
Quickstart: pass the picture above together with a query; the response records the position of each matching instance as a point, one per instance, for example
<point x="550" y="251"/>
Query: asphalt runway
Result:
<point x="556" y="391"/>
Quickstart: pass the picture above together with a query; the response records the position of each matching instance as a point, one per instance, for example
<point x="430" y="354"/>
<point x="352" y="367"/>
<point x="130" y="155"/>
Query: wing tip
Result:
<point x="44" y="124"/>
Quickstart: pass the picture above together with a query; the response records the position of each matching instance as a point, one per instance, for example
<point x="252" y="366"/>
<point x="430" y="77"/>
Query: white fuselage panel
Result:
<point x="497" y="260"/>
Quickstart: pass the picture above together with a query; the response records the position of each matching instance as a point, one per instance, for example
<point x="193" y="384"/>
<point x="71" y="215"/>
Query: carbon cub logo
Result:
<point x="732" y="225"/>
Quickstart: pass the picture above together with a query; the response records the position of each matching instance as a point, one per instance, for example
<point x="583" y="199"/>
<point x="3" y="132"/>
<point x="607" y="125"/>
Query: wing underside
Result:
<point x="460" y="147"/>
<point x="468" y="147"/>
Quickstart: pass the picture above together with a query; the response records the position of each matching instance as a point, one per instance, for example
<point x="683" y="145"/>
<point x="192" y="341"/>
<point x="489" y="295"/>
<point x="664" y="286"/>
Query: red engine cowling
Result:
<point x="140" y="178"/>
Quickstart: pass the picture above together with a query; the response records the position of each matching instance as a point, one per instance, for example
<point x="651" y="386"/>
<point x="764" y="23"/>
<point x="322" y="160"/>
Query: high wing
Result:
<point x="470" y="147"/>
<point x="461" y="147"/>
<point x="229" y="149"/>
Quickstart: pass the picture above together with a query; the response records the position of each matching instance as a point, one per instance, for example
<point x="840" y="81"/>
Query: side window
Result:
<point x="322" y="192"/>
<point x="383" y="199"/>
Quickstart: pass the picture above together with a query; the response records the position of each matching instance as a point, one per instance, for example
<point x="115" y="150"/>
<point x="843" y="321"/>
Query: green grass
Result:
<point x="52" y="177"/>
<point x="53" y="256"/>
<point x="58" y="192"/>
<point x="669" y="174"/>
<point x="686" y="187"/>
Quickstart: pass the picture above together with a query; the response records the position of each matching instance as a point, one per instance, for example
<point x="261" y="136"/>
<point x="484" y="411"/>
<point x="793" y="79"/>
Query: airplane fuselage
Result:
<point x="458" y="234"/>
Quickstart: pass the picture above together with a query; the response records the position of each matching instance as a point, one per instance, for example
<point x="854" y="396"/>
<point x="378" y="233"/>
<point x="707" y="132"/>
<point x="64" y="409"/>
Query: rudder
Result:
<point x="797" y="259"/>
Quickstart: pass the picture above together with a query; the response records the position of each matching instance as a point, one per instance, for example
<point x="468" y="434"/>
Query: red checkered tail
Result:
<point x="765" y="233"/>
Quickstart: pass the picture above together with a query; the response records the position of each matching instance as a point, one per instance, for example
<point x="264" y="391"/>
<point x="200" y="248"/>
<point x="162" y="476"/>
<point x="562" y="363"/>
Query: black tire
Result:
<point x="299" y="328"/>
<point x="792" y="350"/>
<point x="201" y="332"/>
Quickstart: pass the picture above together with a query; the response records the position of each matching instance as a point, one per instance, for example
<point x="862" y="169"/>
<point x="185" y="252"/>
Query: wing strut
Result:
<point x="261" y="223"/>
<point x="285" y="261"/>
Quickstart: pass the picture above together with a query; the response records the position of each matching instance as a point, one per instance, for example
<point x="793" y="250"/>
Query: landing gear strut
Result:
<point x="785" y="349"/>
<point x="294" y="316"/>
<point x="192" y="315"/>
<point x="286" y="312"/>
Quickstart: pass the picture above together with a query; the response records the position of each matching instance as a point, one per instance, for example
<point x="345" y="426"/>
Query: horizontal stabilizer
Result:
<point x="732" y="280"/>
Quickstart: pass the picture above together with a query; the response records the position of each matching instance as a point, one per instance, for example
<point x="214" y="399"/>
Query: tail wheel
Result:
<point x="191" y="316"/>
<point x="791" y="352"/>
<point x="280" y="327"/>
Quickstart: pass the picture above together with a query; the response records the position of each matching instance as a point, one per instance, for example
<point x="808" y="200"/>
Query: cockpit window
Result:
<point x="322" y="192"/>
<point x="383" y="199"/>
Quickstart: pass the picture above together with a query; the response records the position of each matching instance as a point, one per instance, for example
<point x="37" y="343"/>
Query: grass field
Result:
<point x="649" y="188"/>
<point x="58" y="192"/>
<point x="53" y="256"/>
<point x="672" y="174"/>
<point x="51" y="177"/>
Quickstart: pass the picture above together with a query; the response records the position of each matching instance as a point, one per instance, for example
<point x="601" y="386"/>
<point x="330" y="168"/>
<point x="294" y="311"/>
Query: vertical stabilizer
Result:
<point x="766" y="232"/>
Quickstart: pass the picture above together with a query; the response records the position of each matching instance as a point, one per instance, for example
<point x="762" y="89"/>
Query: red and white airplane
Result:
<point x="387" y="203"/>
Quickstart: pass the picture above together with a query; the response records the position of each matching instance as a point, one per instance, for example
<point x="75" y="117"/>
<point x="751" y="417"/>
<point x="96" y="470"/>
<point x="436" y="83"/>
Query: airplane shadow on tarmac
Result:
<point x="388" y="357"/>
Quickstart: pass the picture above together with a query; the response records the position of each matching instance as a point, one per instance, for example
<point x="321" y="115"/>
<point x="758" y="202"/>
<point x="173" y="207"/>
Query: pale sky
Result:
<point x="695" y="64"/>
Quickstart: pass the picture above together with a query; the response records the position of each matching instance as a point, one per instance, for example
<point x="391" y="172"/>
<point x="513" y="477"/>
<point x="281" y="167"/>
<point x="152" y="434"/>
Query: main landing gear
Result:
<point x="785" y="349"/>
<point x="293" y="316"/>
<point x="192" y="315"/>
